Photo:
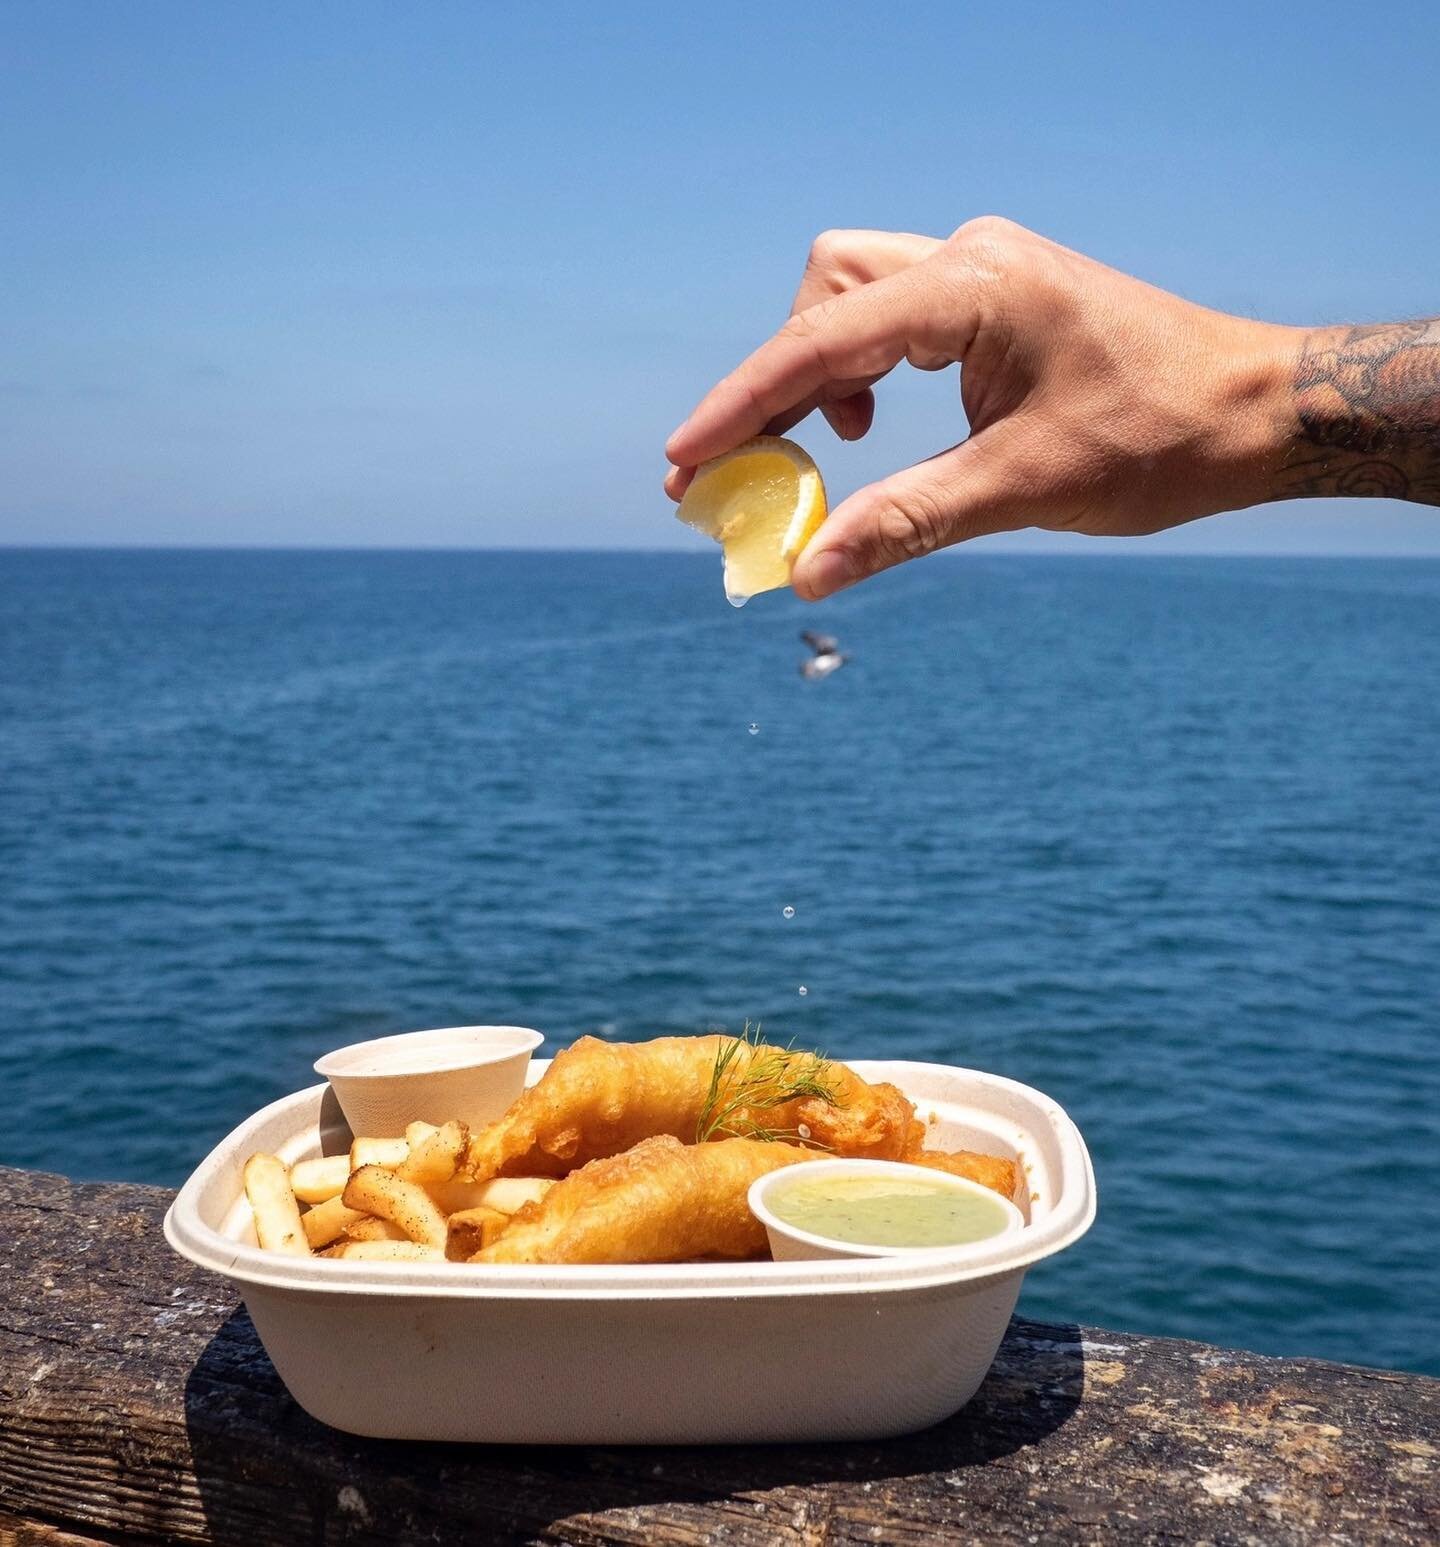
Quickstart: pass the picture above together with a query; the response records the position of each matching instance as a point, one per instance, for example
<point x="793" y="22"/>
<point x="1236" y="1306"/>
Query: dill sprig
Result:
<point x="766" y="1078"/>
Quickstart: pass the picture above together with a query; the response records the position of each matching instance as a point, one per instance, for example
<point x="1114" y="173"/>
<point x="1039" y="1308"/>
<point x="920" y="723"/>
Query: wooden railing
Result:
<point x="136" y="1405"/>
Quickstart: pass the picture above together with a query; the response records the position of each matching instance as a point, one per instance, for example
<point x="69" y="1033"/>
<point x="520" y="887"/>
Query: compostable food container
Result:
<point x="689" y="1353"/>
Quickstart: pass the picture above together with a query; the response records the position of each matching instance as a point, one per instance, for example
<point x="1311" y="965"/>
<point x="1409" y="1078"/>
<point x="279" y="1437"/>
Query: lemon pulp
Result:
<point x="762" y="503"/>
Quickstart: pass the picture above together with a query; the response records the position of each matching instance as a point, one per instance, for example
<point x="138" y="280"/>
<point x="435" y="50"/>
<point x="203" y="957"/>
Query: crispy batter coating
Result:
<point x="662" y="1201"/>
<point x="602" y="1098"/>
<point x="988" y="1170"/>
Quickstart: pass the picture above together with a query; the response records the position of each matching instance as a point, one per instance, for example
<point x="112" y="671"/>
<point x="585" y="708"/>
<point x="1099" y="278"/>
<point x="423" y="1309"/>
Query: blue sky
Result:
<point x="447" y="274"/>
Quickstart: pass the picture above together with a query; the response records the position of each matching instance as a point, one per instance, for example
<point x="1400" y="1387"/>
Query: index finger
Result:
<point x="862" y="333"/>
<point x="841" y="261"/>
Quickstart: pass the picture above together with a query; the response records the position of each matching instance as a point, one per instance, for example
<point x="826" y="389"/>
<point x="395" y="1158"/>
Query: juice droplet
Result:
<point x="735" y="598"/>
<point x="803" y="991"/>
<point x="788" y="911"/>
<point x="754" y="728"/>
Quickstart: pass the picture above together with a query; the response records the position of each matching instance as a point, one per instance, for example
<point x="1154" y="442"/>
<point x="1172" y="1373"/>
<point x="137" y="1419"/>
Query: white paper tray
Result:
<point x="676" y="1354"/>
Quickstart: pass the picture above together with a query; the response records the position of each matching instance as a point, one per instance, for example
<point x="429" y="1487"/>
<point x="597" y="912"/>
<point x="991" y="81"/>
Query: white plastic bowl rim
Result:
<point x="1063" y="1222"/>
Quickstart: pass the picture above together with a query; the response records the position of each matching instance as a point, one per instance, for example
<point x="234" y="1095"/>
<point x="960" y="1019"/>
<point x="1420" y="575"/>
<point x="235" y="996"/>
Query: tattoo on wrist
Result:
<point x="1367" y="405"/>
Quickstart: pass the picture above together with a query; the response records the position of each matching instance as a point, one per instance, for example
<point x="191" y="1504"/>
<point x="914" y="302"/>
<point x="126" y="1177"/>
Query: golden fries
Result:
<point x="456" y="1194"/>
<point x="386" y="1200"/>
<point x="508" y="1194"/>
<point x="277" y="1215"/>
<point x="313" y="1181"/>
<point x="386" y="1251"/>
<point x="378" y="1152"/>
<point x="470" y="1230"/>
<point x="370" y="1227"/>
<point x="407" y="1204"/>
<point x="435" y="1159"/>
<point x="328" y="1221"/>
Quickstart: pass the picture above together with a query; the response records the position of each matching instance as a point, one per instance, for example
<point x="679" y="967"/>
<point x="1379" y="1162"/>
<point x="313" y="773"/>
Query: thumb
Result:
<point x="971" y="490"/>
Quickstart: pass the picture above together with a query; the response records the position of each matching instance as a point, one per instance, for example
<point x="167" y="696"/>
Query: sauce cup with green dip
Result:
<point x="875" y="1208"/>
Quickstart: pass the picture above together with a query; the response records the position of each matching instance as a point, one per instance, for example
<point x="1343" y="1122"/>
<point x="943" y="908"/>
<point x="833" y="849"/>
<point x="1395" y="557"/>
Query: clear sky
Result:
<point x="448" y="273"/>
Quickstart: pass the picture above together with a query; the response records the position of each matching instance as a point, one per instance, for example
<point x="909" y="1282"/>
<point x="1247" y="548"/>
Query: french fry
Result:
<point x="378" y="1152"/>
<point x="469" y="1230"/>
<point x="417" y="1132"/>
<point x="313" y="1181"/>
<point x="387" y="1251"/>
<point x="456" y="1194"/>
<point x="369" y="1228"/>
<point x="374" y="1190"/>
<point x="508" y="1194"/>
<point x="435" y="1158"/>
<point x="277" y="1215"/>
<point x="328" y="1221"/>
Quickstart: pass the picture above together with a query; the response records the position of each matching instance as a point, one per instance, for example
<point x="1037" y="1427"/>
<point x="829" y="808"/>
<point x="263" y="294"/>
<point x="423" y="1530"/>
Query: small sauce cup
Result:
<point x="471" y="1072"/>
<point x="790" y="1243"/>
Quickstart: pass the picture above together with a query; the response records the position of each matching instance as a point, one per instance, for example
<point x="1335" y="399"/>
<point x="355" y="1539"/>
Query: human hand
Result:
<point x="1096" y="402"/>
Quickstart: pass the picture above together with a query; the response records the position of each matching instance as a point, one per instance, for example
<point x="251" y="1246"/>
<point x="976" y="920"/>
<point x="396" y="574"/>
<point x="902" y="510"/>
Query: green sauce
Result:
<point x="887" y="1211"/>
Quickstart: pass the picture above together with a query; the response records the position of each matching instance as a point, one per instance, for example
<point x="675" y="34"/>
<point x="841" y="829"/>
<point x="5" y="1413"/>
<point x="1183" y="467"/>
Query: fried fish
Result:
<point x="989" y="1170"/>
<point x="602" y="1098"/>
<point x="662" y="1201"/>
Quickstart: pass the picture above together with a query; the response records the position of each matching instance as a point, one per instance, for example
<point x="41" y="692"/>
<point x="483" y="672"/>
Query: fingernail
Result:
<point x="827" y="572"/>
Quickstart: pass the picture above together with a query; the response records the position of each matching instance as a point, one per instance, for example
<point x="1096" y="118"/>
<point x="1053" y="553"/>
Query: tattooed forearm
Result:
<point x="1367" y="405"/>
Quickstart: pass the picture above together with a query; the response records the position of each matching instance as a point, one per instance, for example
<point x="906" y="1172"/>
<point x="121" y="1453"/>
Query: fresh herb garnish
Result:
<point x="750" y="1077"/>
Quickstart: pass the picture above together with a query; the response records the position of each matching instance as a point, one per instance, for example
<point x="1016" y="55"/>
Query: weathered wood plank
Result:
<point x="31" y="1533"/>
<point x="136" y="1405"/>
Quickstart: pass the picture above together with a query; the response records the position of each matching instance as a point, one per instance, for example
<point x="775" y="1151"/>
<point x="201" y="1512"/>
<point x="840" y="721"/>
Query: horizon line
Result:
<point x="1125" y="548"/>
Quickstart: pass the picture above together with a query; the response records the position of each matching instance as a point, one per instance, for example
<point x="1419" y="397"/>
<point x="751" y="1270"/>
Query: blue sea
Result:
<point x="1160" y="836"/>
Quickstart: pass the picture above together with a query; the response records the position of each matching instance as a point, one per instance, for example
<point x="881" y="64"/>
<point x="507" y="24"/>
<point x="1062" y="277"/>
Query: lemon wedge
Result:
<point x="762" y="503"/>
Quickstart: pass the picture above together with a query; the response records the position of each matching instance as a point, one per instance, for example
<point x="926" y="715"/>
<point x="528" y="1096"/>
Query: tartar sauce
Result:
<point x="887" y="1211"/>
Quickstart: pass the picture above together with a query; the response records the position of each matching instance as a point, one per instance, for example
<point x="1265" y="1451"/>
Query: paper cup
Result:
<point x="471" y="1072"/>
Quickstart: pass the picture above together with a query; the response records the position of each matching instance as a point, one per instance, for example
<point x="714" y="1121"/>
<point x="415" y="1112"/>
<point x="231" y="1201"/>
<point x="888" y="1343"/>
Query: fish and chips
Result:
<point x="620" y="1153"/>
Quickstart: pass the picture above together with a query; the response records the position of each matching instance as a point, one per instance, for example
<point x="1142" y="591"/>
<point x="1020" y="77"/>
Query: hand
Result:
<point x="1096" y="403"/>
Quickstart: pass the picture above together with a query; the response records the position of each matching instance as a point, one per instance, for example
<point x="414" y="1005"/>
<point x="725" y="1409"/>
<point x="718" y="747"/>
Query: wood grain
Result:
<point x="136" y="1405"/>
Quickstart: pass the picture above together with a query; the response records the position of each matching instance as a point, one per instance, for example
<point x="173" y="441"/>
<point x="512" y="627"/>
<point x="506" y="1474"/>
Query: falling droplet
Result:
<point x="788" y="911"/>
<point x="803" y="990"/>
<point x="736" y="601"/>
<point x="754" y="728"/>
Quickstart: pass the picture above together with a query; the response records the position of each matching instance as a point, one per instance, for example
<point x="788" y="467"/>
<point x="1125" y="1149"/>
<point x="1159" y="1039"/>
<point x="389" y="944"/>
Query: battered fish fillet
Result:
<point x="988" y="1170"/>
<point x="602" y="1098"/>
<point x="662" y="1201"/>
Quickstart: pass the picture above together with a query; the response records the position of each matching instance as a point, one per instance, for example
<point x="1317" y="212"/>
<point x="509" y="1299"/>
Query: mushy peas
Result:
<point x="887" y="1211"/>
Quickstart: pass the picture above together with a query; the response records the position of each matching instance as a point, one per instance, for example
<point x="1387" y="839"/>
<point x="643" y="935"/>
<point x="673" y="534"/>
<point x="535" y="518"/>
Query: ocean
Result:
<point x="1160" y="836"/>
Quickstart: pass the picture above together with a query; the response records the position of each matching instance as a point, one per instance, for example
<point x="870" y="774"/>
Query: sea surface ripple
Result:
<point x="1160" y="836"/>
